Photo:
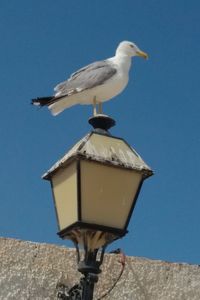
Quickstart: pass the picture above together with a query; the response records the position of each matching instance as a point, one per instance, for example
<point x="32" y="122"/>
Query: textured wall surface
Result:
<point x="33" y="271"/>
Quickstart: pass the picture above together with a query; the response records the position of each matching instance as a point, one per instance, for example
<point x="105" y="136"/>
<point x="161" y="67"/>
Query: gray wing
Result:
<point x="87" y="77"/>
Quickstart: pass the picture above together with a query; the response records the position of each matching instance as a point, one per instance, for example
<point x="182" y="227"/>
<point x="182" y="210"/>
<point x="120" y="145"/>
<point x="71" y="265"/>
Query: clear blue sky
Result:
<point x="42" y="43"/>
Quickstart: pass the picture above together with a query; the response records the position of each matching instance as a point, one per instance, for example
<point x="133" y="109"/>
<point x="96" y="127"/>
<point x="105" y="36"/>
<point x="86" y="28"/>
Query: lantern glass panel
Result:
<point x="107" y="193"/>
<point x="64" y="184"/>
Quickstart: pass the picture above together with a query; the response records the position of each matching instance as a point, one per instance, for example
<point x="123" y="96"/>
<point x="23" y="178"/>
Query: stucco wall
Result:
<point x="33" y="271"/>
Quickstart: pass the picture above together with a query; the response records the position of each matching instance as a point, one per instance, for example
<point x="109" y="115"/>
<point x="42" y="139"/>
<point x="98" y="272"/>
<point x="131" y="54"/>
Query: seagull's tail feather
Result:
<point x="42" y="101"/>
<point x="57" y="105"/>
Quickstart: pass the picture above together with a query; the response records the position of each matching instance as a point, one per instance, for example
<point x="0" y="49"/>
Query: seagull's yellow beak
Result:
<point x="142" y="54"/>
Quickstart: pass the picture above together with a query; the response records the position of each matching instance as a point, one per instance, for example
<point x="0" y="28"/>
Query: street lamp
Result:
<point x="95" y="187"/>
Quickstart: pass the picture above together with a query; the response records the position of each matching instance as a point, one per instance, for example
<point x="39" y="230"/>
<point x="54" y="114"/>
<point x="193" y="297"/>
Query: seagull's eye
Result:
<point x="131" y="46"/>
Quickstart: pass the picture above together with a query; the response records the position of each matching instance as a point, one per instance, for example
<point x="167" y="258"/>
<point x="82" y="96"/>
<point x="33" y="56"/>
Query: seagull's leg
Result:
<point x="100" y="108"/>
<point x="94" y="106"/>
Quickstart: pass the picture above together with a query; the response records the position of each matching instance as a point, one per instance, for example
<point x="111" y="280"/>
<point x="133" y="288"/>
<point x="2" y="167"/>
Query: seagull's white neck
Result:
<point x="123" y="60"/>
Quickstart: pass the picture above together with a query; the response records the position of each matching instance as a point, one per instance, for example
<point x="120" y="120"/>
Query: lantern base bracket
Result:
<point x="90" y="268"/>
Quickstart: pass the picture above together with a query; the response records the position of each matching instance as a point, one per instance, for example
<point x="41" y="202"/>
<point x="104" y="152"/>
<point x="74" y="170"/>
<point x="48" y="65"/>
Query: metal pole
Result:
<point x="88" y="286"/>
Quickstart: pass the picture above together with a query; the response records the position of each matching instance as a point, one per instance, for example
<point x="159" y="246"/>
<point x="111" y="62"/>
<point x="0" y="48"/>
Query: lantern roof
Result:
<point x="104" y="149"/>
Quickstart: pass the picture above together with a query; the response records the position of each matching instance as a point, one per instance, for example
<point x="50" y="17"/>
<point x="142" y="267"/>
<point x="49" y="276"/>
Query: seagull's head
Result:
<point x="130" y="49"/>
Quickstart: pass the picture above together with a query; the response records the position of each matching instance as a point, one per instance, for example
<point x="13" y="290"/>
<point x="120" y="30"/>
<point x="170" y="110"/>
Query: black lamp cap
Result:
<point x="101" y="123"/>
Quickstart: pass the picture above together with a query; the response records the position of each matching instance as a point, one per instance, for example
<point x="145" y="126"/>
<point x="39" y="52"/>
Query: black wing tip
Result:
<point x="42" y="101"/>
<point x="33" y="101"/>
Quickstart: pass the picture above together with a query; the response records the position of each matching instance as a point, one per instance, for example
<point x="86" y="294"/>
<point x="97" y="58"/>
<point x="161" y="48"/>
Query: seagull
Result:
<point x="95" y="83"/>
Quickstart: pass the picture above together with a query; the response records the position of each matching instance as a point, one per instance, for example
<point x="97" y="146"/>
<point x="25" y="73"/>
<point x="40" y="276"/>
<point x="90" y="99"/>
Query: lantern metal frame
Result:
<point x="79" y="224"/>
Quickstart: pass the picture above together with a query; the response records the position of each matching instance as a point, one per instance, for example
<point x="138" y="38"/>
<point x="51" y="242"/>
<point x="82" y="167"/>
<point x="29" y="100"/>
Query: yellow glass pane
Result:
<point x="107" y="193"/>
<point x="65" y="193"/>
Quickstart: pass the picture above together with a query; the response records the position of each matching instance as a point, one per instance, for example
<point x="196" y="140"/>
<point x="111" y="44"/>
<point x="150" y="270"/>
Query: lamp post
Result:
<point x="95" y="187"/>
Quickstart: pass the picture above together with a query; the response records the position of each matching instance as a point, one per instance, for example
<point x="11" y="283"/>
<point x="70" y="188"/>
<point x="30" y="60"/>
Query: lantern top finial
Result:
<point x="101" y="123"/>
